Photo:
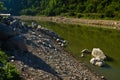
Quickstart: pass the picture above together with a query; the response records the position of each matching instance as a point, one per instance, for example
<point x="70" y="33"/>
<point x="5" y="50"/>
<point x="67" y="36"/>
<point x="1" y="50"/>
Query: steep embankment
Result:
<point x="45" y="58"/>
<point x="114" y="24"/>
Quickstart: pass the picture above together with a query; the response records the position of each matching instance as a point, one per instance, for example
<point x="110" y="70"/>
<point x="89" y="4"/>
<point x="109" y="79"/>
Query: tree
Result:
<point x="109" y="8"/>
<point x="2" y="7"/>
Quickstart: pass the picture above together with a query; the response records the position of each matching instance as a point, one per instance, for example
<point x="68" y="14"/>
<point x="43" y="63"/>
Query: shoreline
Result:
<point x="74" y="68"/>
<point x="112" y="24"/>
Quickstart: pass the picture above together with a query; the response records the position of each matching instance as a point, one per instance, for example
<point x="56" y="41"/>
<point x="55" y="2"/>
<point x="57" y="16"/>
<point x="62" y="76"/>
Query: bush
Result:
<point x="79" y="15"/>
<point x="7" y="71"/>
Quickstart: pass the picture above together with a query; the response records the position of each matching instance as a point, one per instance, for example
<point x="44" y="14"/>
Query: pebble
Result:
<point x="12" y="60"/>
<point x="103" y="77"/>
<point x="85" y="79"/>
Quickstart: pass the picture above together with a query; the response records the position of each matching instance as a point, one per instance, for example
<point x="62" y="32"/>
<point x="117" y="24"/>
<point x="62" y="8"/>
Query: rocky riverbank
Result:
<point x="45" y="58"/>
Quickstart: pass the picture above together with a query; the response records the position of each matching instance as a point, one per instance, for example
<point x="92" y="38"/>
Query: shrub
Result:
<point x="7" y="71"/>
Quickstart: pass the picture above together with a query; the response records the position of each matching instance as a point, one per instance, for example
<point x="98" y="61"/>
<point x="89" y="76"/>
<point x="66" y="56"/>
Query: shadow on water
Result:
<point x="106" y="66"/>
<point x="35" y="62"/>
<point x="109" y="59"/>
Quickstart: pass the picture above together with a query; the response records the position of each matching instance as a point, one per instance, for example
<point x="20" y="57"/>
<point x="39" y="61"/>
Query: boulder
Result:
<point x="16" y="25"/>
<point x="93" y="61"/>
<point x="98" y="53"/>
<point x="16" y="42"/>
<point x="6" y="32"/>
<point x="84" y="52"/>
<point x="34" y="24"/>
<point x="97" y="62"/>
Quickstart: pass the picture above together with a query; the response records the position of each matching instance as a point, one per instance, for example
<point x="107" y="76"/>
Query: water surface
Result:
<point x="80" y="37"/>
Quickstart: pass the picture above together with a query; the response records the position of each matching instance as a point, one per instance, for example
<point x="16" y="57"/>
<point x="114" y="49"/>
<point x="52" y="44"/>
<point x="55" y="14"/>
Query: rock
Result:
<point x="102" y="77"/>
<point x="57" y="39"/>
<point x="23" y="24"/>
<point x="98" y="53"/>
<point x="34" y="24"/>
<point x="93" y="61"/>
<point x="39" y="26"/>
<point x="82" y="55"/>
<point x="6" y="32"/>
<point x="17" y="42"/>
<point x="62" y="45"/>
<point x="84" y="52"/>
<point x="64" y="41"/>
<point x="11" y="58"/>
<point x="97" y="62"/>
<point x="16" y="25"/>
<point x="85" y="79"/>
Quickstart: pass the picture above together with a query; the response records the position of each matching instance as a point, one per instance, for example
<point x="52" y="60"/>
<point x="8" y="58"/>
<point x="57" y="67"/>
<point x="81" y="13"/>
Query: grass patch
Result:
<point x="7" y="70"/>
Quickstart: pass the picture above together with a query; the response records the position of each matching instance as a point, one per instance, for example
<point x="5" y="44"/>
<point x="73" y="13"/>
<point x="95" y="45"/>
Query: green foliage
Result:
<point x="108" y="8"/>
<point x="3" y="57"/>
<point x="112" y="10"/>
<point x="7" y="70"/>
<point x="2" y="7"/>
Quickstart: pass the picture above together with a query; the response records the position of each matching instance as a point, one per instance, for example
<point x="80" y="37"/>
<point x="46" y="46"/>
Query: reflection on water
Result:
<point x="81" y="37"/>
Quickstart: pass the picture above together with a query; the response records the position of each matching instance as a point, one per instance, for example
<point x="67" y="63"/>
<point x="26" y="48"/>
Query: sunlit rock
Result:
<point x="84" y="52"/>
<point x="97" y="62"/>
<point x="98" y="53"/>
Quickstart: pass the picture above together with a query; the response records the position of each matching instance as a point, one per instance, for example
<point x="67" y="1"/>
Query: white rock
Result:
<point x="12" y="60"/>
<point x="62" y="45"/>
<point x="39" y="26"/>
<point x="99" y="63"/>
<point x="98" y="59"/>
<point x="82" y="55"/>
<point x="93" y="61"/>
<point x="97" y="52"/>
<point x="64" y="41"/>
<point x="86" y="51"/>
<point x="57" y="39"/>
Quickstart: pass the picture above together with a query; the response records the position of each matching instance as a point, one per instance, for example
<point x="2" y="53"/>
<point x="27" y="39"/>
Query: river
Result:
<point x="81" y="37"/>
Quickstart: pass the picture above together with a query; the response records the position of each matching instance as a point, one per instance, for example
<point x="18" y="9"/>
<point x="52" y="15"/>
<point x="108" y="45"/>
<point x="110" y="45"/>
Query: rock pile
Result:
<point x="53" y="35"/>
<point x="98" y="57"/>
<point x="45" y="59"/>
<point x="10" y="34"/>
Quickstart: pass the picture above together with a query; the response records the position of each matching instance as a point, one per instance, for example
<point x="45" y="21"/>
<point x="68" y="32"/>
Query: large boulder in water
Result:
<point x="98" y="57"/>
<point x="98" y="53"/>
<point x="97" y="62"/>
<point x="6" y="32"/>
<point x="17" y="42"/>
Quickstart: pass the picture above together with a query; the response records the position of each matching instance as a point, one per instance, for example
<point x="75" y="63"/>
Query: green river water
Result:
<point x="81" y="37"/>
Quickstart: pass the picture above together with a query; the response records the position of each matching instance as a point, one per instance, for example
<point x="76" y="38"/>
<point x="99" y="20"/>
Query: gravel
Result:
<point x="47" y="60"/>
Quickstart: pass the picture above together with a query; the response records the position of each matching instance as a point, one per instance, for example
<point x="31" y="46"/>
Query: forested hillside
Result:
<point x="77" y="8"/>
<point x="2" y="6"/>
